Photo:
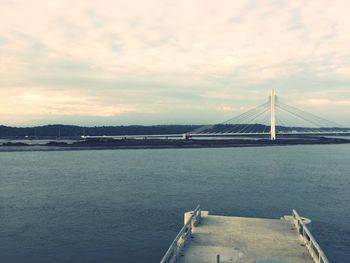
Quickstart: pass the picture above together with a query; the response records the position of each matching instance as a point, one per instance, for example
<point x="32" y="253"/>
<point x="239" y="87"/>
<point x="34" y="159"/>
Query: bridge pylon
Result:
<point x="273" y="115"/>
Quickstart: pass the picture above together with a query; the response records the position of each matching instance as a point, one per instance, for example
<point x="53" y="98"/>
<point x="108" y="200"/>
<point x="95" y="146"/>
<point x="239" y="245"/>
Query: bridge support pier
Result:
<point x="273" y="115"/>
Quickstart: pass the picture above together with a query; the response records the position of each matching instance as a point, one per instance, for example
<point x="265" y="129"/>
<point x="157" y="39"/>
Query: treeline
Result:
<point x="77" y="131"/>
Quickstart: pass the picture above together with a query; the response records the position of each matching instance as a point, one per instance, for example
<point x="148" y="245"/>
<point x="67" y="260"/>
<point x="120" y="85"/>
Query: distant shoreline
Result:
<point x="163" y="144"/>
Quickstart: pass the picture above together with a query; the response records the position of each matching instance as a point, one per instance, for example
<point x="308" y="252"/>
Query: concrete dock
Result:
<point x="209" y="239"/>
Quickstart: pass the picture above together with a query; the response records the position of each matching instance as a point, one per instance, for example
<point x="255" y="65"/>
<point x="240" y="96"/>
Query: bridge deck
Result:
<point x="238" y="239"/>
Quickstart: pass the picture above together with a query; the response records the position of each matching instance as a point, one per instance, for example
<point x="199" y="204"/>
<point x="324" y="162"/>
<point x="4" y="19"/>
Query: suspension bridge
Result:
<point x="273" y="118"/>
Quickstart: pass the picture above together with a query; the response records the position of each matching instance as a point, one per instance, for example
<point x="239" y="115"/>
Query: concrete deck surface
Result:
<point x="244" y="240"/>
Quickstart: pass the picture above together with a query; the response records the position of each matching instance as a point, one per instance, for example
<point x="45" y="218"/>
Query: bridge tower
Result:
<point x="273" y="115"/>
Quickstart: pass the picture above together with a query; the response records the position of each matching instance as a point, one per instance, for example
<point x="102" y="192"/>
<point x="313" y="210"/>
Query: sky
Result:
<point x="90" y="62"/>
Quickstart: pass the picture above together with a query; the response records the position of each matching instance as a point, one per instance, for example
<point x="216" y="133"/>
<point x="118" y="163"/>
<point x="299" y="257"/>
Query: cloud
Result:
<point x="150" y="56"/>
<point x="327" y="102"/>
<point x="344" y="72"/>
<point x="179" y="37"/>
<point x="271" y="73"/>
<point x="38" y="103"/>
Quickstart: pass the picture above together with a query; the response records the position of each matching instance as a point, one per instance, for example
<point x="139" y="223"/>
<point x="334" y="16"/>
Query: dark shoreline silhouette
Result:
<point x="75" y="132"/>
<point x="164" y="144"/>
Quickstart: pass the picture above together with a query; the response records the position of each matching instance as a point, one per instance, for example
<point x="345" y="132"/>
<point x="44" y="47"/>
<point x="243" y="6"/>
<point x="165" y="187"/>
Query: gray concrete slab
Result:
<point x="244" y="240"/>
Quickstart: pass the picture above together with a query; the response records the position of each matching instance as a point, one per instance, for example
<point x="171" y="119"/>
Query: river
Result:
<point x="128" y="205"/>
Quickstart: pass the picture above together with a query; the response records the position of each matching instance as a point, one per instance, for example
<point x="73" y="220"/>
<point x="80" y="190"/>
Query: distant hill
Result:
<point x="59" y="130"/>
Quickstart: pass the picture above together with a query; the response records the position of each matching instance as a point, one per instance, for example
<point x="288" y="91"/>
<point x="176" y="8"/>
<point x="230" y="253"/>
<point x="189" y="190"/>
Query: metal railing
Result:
<point x="174" y="250"/>
<point x="314" y="249"/>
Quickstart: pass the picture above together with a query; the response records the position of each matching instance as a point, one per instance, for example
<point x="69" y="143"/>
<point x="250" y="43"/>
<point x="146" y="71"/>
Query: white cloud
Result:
<point x="212" y="50"/>
<point x="344" y="72"/>
<point x="327" y="102"/>
<point x="38" y="103"/>
<point x="271" y="73"/>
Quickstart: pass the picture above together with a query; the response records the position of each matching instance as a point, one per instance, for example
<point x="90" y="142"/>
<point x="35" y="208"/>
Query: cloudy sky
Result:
<point x="117" y="62"/>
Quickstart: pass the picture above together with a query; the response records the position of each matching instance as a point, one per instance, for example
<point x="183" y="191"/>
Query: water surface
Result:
<point x="127" y="205"/>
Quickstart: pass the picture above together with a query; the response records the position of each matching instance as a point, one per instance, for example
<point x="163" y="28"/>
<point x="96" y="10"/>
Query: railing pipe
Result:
<point x="315" y="250"/>
<point x="186" y="231"/>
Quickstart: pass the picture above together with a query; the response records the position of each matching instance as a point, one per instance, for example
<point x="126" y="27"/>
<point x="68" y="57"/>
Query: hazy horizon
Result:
<point x="170" y="62"/>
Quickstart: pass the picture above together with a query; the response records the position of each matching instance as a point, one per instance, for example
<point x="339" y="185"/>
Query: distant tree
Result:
<point x="59" y="130"/>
